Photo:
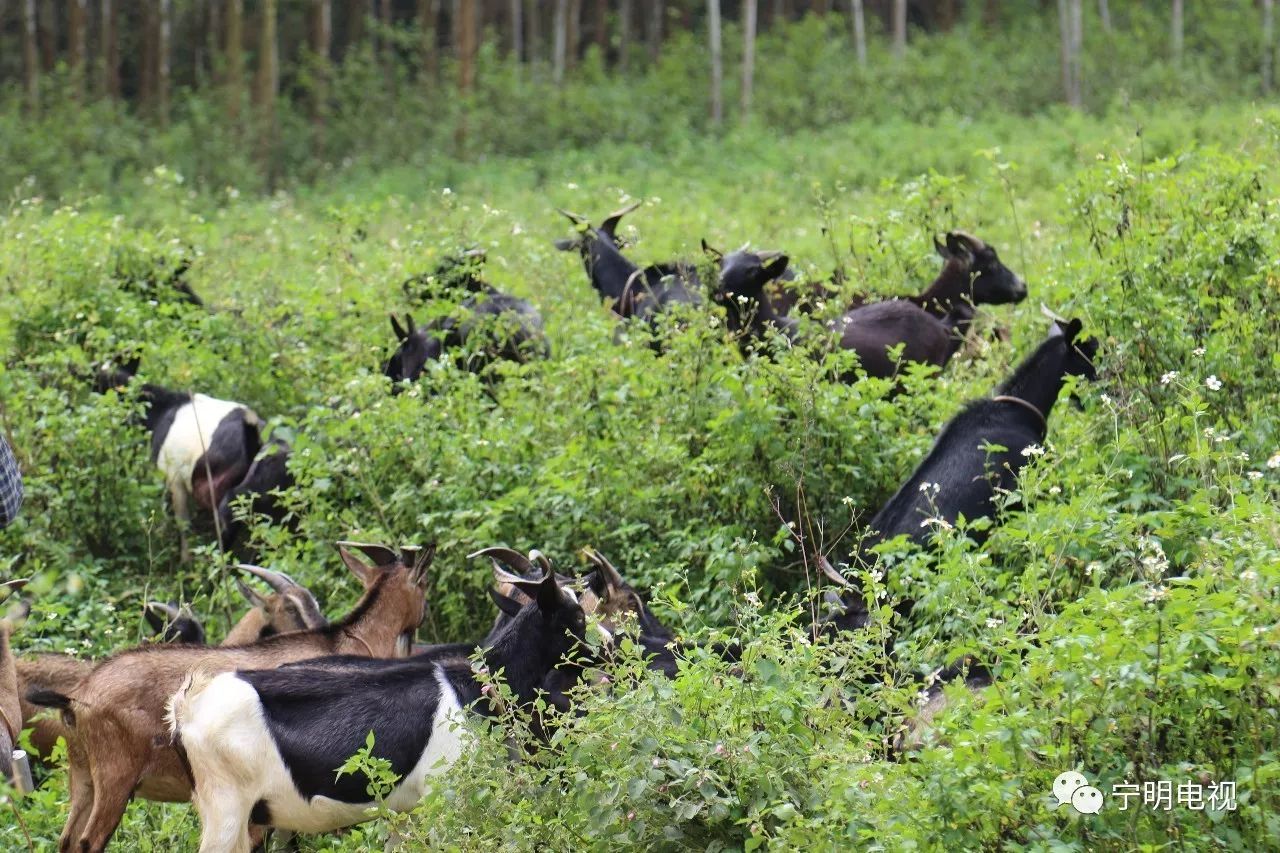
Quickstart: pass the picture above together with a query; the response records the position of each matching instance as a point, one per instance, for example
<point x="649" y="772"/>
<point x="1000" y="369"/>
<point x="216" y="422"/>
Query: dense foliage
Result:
<point x="1129" y="604"/>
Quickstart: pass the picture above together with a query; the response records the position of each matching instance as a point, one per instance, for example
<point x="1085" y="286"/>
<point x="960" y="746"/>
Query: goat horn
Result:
<point x="15" y="584"/>
<point x="831" y="573"/>
<point x="610" y="574"/>
<point x="510" y="556"/>
<point x="974" y="243"/>
<point x="278" y="581"/>
<point x="540" y="559"/>
<point x="165" y="609"/>
<point x="1049" y="312"/>
<point x="572" y="217"/>
<point x="380" y="554"/>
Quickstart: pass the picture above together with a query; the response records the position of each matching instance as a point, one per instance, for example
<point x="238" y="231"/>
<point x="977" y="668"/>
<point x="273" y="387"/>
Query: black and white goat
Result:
<point x="263" y="745"/>
<point x="204" y="446"/>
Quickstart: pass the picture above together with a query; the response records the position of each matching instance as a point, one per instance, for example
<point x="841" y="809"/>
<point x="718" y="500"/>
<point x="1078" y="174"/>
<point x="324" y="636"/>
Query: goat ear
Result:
<point x="566" y="245"/>
<point x="610" y="225"/>
<point x="958" y="246"/>
<point x="418" y="560"/>
<point x="400" y="333"/>
<point x="776" y="269"/>
<point x="366" y="573"/>
<point x="712" y="252"/>
<point x="545" y="592"/>
<point x="942" y="250"/>
<point x="611" y="577"/>
<point x="507" y="605"/>
<point x="413" y="327"/>
<point x="251" y="595"/>
<point x="131" y="366"/>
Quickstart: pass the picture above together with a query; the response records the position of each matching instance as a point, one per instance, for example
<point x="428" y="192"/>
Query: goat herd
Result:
<point x="253" y="730"/>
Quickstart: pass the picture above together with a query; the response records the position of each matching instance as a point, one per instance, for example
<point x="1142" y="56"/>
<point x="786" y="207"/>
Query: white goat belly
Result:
<point x="190" y="435"/>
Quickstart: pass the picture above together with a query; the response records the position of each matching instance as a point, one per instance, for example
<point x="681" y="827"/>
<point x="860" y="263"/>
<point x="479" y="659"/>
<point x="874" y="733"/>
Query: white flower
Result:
<point x="1274" y="462"/>
<point x="1055" y="490"/>
<point x="1255" y="475"/>
<point x="847" y="501"/>
<point x="1105" y="399"/>
<point x="992" y="622"/>
<point x="1248" y="575"/>
<point x="1213" y="383"/>
<point x="922" y="698"/>
<point x="1094" y="568"/>
<point x="936" y="522"/>
<point x="753" y="598"/>
<point x="1157" y="593"/>
<point x="1032" y="450"/>
<point x="1198" y="351"/>
<point x="1168" y="377"/>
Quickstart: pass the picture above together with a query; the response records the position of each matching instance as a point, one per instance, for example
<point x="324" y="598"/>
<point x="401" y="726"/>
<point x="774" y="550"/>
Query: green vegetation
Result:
<point x="1130" y="605"/>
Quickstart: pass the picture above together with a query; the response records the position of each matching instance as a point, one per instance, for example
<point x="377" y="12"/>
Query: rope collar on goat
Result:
<point x="1018" y="401"/>
<point x="354" y="636"/>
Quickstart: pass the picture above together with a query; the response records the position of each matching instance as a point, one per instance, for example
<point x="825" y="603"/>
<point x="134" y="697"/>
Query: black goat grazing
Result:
<point x="490" y="324"/>
<point x="971" y="273"/>
<point x="630" y="290"/>
<point x="262" y="745"/>
<point x="266" y="478"/>
<point x="173" y="624"/>
<point x="870" y="331"/>
<point x="202" y="445"/>
<point x="960" y="476"/>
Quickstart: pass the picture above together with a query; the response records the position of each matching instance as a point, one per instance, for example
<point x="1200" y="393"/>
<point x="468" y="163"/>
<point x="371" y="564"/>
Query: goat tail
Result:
<point x="49" y="699"/>
<point x="179" y="705"/>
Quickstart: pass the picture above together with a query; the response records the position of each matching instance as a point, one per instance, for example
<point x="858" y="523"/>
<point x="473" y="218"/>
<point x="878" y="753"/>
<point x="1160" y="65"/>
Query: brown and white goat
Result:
<point x="117" y="713"/>
<point x="10" y="709"/>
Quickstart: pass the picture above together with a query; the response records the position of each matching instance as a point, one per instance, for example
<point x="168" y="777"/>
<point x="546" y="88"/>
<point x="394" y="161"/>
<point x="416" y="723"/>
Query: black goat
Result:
<point x="490" y="324"/>
<point x="631" y="291"/>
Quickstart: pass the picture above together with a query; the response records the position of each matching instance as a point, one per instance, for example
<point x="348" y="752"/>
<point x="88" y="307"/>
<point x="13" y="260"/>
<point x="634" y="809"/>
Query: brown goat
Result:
<point x="290" y="607"/>
<point x="120" y="744"/>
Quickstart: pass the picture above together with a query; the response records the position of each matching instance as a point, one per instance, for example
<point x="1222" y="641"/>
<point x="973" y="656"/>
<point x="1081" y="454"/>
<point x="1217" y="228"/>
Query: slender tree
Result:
<point x="1175" y="35"/>
<point x="717" y="61"/>
<point x="601" y="24"/>
<point x="1104" y="15"/>
<point x="573" y="34"/>
<point x="654" y="21"/>
<point x="517" y="31"/>
<point x="1070" y="24"/>
<point x="467" y="43"/>
<point x="233" y="52"/>
<point x="164" y="39"/>
<point x="626" y="12"/>
<point x="319" y="42"/>
<point x="76" y="25"/>
<point x="560" y="32"/>
<point x="1268" y="45"/>
<point x="109" y="49"/>
<point x="859" y="17"/>
<point x="533" y="31"/>
<point x="48" y="35"/>
<point x="899" y="28"/>
<point x="30" y="54"/>
<point x="750" y="9"/>
<point x="266" y="87"/>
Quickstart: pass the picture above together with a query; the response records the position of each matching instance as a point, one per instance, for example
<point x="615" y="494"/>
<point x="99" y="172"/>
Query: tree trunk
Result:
<point x="164" y="39"/>
<point x="147" y="71"/>
<point x="234" y="53"/>
<point x="602" y="27"/>
<point x="517" y="32"/>
<point x="899" y="28"/>
<point x="466" y="46"/>
<point x="48" y="35"/>
<point x="750" y="10"/>
<point x="717" y="62"/>
<point x="319" y="43"/>
<point x="626" y="11"/>
<point x="76" y="15"/>
<point x="654" y="21"/>
<point x="355" y="22"/>
<point x="1104" y="15"/>
<point x="991" y="13"/>
<point x="1069" y="21"/>
<point x="1175" y="36"/>
<point x="859" y="31"/>
<point x="265" y="88"/>
<point x="574" y="31"/>
<point x="561" y="36"/>
<point x="1077" y="50"/>
<point x="30" y="54"/>
<point x="1268" y="45"/>
<point x="533" y="31"/>
<point x="109" y="48"/>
